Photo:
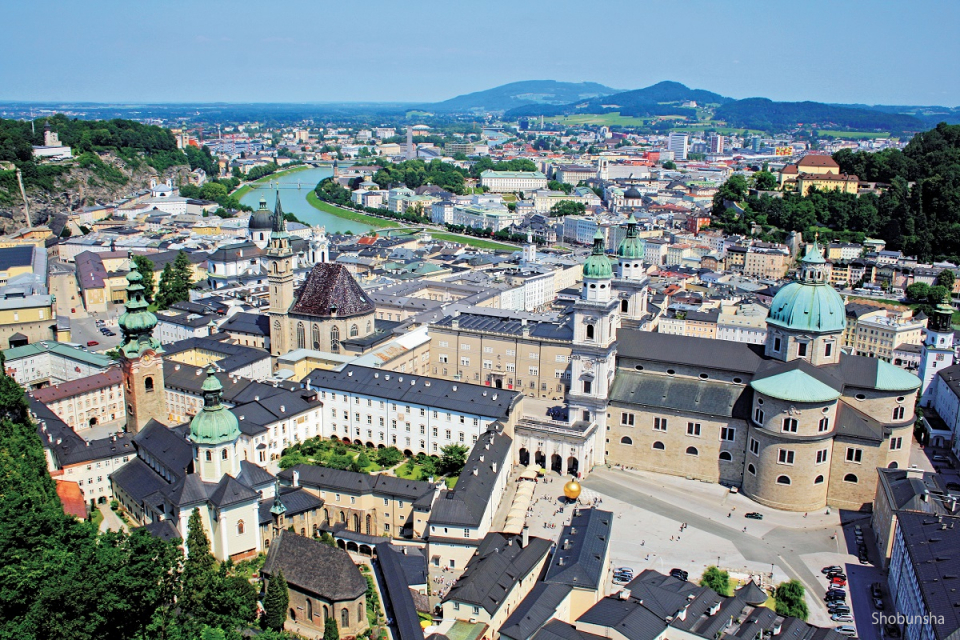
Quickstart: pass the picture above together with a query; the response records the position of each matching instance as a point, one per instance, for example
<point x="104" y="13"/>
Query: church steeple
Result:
<point x="137" y="321"/>
<point x="279" y="222"/>
<point x="141" y="358"/>
<point x="280" y="277"/>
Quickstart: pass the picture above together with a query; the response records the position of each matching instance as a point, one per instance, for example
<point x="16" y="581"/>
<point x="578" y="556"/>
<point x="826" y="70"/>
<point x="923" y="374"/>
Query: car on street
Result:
<point x="753" y="515"/>
<point x="837" y="584"/>
<point x="679" y="574"/>
<point x="836" y="595"/>
<point x="623" y="570"/>
<point x="92" y="343"/>
<point x="846" y="630"/>
<point x="875" y="590"/>
<point x="833" y="577"/>
<point x="939" y="458"/>
<point x="864" y="559"/>
<point x="833" y="569"/>
<point x="842" y="617"/>
<point x="621" y="580"/>
<point x="840" y="609"/>
<point x="878" y="604"/>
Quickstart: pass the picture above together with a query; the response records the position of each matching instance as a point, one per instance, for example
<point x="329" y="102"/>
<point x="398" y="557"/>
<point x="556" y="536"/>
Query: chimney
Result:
<point x="475" y="472"/>
<point x="525" y="537"/>
<point x="296" y="478"/>
<point x="494" y="467"/>
<point x="624" y="594"/>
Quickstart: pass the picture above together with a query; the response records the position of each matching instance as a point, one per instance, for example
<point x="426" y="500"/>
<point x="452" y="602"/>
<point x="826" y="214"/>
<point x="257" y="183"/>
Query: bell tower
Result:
<point x="280" y="278"/>
<point x="141" y="358"/>
<point x="937" y="351"/>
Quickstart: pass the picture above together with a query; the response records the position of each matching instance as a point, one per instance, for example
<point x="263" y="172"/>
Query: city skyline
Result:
<point x="209" y="53"/>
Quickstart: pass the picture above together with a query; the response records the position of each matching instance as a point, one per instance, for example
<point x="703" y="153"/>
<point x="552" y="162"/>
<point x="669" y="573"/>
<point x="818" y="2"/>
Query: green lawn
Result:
<point x="346" y="214"/>
<point x="96" y="518"/>
<point x="859" y="135"/>
<point x="452" y="482"/>
<point x="405" y="472"/>
<point x="608" y="119"/>
<point x="479" y="243"/>
<point x="245" y="189"/>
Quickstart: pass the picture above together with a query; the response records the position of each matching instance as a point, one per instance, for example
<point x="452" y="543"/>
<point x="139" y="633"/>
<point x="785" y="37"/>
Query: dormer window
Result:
<point x="802" y="349"/>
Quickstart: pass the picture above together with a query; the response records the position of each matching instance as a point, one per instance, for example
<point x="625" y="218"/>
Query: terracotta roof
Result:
<point x="330" y="287"/>
<point x="72" y="498"/>
<point x="818" y="161"/>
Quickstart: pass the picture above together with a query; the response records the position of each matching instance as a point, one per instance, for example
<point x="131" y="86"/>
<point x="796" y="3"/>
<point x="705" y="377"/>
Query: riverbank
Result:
<point x="479" y="243"/>
<point x="248" y="186"/>
<point x="347" y="214"/>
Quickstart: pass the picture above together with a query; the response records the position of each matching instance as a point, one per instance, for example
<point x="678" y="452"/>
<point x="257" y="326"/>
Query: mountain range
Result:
<point x="551" y="98"/>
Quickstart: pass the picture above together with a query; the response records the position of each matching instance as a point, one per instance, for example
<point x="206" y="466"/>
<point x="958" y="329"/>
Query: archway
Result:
<point x="573" y="466"/>
<point x="369" y="445"/>
<point x="93" y="422"/>
<point x="408" y="453"/>
<point x="893" y="465"/>
<point x="342" y="544"/>
<point x="556" y="463"/>
<point x="358" y="442"/>
<point x="498" y="382"/>
<point x="353" y="546"/>
<point x="356" y="522"/>
<point x="365" y="550"/>
<point x="540" y="459"/>
<point x="524" y="457"/>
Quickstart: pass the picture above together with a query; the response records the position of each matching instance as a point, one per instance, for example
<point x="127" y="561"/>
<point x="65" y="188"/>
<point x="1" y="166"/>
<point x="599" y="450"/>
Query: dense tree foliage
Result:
<point x="63" y="579"/>
<point x="416" y="173"/>
<point x="767" y="115"/>
<point x="567" y="208"/>
<point x="176" y="279"/>
<point x="917" y="211"/>
<point x="556" y="185"/>
<point x="790" y="601"/>
<point x="453" y="457"/>
<point x="276" y="602"/>
<point x="717" y="580"/>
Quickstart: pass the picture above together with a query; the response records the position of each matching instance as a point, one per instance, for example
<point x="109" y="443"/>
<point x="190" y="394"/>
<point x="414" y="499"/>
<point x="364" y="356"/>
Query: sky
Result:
<point x="846" y="51"/>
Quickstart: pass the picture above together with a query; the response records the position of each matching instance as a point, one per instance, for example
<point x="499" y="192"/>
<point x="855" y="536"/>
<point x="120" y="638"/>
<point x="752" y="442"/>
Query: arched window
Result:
<point x="783" y="480"/>
<point x="369" y="327"/>
<point x="326" y="613"/>
<point x="239" y="527"/>
<point x="359" y="611"/>
<point x="626" y="440"/>
<point x="301" y="338"/>
<point x="266" y="542"/>
<point x="725" y="456"/>
<point x="309" y="609"/>
<point x="850" y="478"/>
<point x="343" y="517"/>
<point x="354" y="331"/>
<point x="818" y="480"/>
<point x="223" y="454"/>
<point x="276" y="328"/>
<point x="893" y="465"/>
<point x="658" y="446"/>
<point x="897" y="412"/>
<point x="316" y="336"/>
<point x="209" y="456"/>
<point x="692" y="451"/>
<point x="624" y="306"/>
<point x="752" y="470"/>
<point x="148" y="384"/>
<point x="335" y="340"/>
<point x="344" y="617"/>
<point x="590" y="330"/>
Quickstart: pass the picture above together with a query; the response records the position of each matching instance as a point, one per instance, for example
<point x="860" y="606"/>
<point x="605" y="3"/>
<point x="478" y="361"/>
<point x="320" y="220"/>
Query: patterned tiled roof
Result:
<point x="330" y="287"/>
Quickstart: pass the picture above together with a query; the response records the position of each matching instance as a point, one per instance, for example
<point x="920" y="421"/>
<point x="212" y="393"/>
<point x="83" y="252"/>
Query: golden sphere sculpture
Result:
<point x="572" y="490"/>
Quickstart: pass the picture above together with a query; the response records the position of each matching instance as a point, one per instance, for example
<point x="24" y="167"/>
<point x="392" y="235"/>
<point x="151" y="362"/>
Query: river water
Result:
<point x="294" y="200"/>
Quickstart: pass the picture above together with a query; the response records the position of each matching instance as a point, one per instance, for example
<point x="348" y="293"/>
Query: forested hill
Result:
<point x="515" y="94"/>
<point x="918" y="211"/>
<point x="767" y="115"/>
<point x="111" y="158"/>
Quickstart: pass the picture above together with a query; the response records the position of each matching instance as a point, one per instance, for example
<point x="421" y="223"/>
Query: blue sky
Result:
<point x="903" y="52"/>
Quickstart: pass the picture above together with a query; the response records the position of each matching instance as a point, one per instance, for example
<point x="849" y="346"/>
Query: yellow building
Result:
<point x="842" y="182"/>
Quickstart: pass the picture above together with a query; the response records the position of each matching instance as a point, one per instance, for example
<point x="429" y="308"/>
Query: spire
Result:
<point x="598" y="243"/>
<point x="137" y="322"/>
<point x="279" y="223"/>
<point x="631" y="226"/>
<point x="212" y="390"/>
<point x="278" y="509"/>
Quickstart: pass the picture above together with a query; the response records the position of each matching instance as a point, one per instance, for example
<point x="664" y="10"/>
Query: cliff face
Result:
<point x="79" y="187"/>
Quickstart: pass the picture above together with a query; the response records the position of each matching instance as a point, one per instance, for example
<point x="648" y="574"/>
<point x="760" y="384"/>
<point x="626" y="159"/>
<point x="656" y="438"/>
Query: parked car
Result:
<point x="835" y="587"/>
<point x="621" y="580"/>
<point x="864" y="559"/>
<point x="836" y="574"/>
<point x="835" y="596"/>
<point x="878" y="604"/>
<point x="875" y="590"/>
<point x="679" y="574"/>
<point x="841" y="617"/>
<point x="837" y="583"/>
<point x="833" y="569"/>
<point x="753" y="515"/>
<point x="623" y="570"/>
<point x="840" y="609"/>
<point x="92" y="343"/>
<point x="939" y="458"/>
<point x="846" y="630"/>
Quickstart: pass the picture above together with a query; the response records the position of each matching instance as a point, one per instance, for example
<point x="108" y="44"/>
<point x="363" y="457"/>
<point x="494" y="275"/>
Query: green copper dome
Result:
<point x="137" y="322"/>
<point x="215" y="424"/>
<point x="810" y="304"/>
<point x="632" y="246"/>
<point x="598" y="265"/>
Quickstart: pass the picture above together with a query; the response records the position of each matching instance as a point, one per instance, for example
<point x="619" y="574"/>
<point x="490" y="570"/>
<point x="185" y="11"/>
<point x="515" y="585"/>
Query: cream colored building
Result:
<point x="87" y="402"/>
<point x="769" y="262"/>
<point x="512" y="181"/>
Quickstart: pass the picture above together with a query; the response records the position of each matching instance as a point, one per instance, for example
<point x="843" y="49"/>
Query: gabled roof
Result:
<point x="578" y="561"/>
<point x="165" y="445"/>
<point x="396" y="587"/>
<point x="465" y="504"/>
<point x="229" y="492"/>
<point x="295" y="501"/>
<point x="535" y="611"/>
<point x="314" y="567"/>
<point x="188" y="490"/>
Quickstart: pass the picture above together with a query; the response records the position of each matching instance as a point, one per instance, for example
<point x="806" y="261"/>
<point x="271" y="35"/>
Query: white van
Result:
<point x="846" y="630"/>
<point x="842" y="617"/>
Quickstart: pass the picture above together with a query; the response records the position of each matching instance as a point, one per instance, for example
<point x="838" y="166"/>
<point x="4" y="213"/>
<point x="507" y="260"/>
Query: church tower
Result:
<point x="140" y="358"/>
<point x="937" y="352"/>
<point x="280" y="278"/>
<point x="214" y="432"/>
<point x="631" y="286"/>
<point x="593" y="356"/>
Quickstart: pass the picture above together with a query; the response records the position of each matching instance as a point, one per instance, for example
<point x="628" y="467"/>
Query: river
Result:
<point x="294" y="200"/>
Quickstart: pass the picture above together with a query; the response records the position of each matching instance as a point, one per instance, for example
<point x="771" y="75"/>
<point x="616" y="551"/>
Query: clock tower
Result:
<point x="140" y="358"/>
<point x="937" y="351"/>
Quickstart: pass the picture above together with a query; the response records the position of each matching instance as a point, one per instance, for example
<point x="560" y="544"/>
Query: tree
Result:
<point x="938" y="294"/>
<point x="670" y="165"/>
<point x="165" y="295"/>
<point x="790" y="601"/>
<point x="330" y="629"/>
<point x="567" y="208"/>
<point x="764" y="181"/>
<point x="175" y="281"/>
<point x="145" y="267"/>
<point x="452" y="460"/>
<point x="917" y="291"/>
<point x="275" y="602"/>
<point x="946" y="279"/>
<point x="388" y="457"/>
<point x="717" y="580"/>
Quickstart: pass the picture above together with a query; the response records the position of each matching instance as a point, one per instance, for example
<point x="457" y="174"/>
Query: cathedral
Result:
<point x="328" y="307"/>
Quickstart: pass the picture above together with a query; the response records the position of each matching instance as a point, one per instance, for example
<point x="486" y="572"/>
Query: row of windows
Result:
<point x="785" y="480"/>
<point x="691" y="451"/>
